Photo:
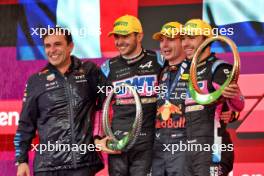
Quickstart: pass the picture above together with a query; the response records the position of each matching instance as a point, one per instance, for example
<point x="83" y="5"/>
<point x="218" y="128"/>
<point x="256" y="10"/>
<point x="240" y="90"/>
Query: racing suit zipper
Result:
<point x="71" y="116"/>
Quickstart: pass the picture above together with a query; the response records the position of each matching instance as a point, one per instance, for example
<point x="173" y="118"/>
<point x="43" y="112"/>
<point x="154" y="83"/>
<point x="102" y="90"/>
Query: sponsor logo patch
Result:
<point x="194" y="108"/>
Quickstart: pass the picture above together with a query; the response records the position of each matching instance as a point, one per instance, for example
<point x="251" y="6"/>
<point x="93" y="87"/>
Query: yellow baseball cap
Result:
<point x="125" y="25"/>
<point x="197" y="27"/>
<point x="171" y="30"/>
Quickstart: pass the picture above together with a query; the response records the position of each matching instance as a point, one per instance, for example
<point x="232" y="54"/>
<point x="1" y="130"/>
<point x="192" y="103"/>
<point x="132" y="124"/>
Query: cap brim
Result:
<point x="157" y="36"/>
<point x="110" y="33"/>
<point x="113" y="32"/>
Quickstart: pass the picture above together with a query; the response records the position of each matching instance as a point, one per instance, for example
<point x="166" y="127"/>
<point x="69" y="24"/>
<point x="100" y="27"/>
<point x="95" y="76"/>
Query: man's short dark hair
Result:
<point x="63" y="31"/>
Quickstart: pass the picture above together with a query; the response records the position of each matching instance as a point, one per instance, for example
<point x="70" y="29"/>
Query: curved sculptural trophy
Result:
<point x="129" y="139"/>
<point x="196" y="93"/>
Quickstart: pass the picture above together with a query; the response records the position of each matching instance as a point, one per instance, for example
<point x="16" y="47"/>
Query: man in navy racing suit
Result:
<point x="214" y="153"/>
<point x="139" y="68"/>
<point x="170" y="121"/>
<point x="169" y="156"/>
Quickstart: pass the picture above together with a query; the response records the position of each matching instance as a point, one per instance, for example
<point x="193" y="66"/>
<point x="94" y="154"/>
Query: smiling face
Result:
<point x="170" y="48"/>
<point x="128" y="45"/>
<point x="191" y="43"/>
<point x="58" y="50"/>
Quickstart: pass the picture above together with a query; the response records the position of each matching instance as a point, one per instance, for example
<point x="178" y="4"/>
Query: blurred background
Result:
<point x="22" y="54"/>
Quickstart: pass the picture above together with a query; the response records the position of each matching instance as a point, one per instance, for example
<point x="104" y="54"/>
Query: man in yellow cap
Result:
<point x="139" y="68"/>
<point x="169" y="119"/>
<point x="203" y="126"/>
